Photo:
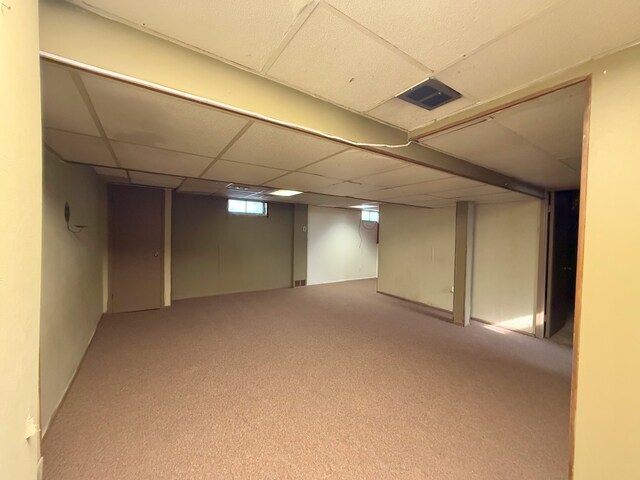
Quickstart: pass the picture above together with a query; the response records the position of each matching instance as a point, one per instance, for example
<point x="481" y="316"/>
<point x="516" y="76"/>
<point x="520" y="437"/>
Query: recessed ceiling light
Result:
<point x="285" y="193"/>
<point x="365" y="206"/>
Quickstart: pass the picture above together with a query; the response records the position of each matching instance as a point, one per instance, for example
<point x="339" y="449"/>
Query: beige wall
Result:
<point x="416" y="254"/>
<point x="300" y="220"/>
<point x="72" y="275"/>
<point x="607" y="423"/>
<point x="214" y="252"/>
<point x="168" y="200"/>
<point x="340" y="246"/>
<point x="20" y="238"/>
<point x="505" y="264"/>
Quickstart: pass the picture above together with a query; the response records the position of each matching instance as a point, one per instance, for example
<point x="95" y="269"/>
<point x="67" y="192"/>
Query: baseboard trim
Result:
<point x="341" y="281"/>
<point x="45" y="429"/>
<point x="436" y="312"/>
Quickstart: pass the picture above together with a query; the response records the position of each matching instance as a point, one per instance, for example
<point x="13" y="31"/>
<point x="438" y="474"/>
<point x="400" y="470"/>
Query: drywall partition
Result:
<point x="607" y="360"/>
<point x="505" y="264"/>
<point x="300" y="220"/>
<point x="20" y="239"/>
<point x="340" y="246"/>
<point x="72" y="274"/>
<point x="215" y="252"/>
<point x="417" y="252"/>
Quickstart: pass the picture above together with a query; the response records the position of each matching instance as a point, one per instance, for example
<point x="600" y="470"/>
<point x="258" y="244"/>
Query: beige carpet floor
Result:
<point x="331" y="381"/>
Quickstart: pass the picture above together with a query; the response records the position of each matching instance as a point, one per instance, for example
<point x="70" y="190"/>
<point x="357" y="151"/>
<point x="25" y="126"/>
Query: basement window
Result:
<point x="370" y="216"/>
<point x="247" y="207"/>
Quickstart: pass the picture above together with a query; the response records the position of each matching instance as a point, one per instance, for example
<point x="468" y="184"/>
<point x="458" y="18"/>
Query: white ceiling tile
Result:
<point x="336" y="59"/>
<point x="573" y="163"/>
<point x="242" y="31"/>
<point x="574" y="32"/>
<point x="207" y="187"/>
<point x="493" y="146"/>
<point x="78" y="148"/>
<point x="156" y="160"/>
<point x="155" y="180"/>
<point x="303" y="182"/>
<point x="437" y="204"/>
<point x="476" y="138"/>
<point x="277" y="147"/>
<point x="408" y="116"/>
<point x="439" y="32"/>
<point x="403" y="176"/>
<point x="552" y="122"/>
<point x="136" y="115"/>
<point x="383" y="194"/>
<point x="354" y="163"/>
<point x="111" y="172"/>
<point x="345" y="189"/>
<point x="461" y="193"/>
<point x="318" y="199"/>
<point x="414" y="199"/>
<point x="551" y="174"/>
<point x="62" y="105"/>
<point x="241" y="172"/>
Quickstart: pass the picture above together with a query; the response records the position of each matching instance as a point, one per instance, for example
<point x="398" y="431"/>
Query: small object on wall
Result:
<point x="67" y="219"/>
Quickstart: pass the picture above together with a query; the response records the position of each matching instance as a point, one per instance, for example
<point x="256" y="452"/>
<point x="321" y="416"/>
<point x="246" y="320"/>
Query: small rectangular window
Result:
<point x="370" y="216"/>
<point x="247" y="207"/>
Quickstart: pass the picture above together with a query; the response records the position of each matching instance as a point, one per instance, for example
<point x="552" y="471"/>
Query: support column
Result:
<point x="300" y="217"/>
<point x="462" y="267"/>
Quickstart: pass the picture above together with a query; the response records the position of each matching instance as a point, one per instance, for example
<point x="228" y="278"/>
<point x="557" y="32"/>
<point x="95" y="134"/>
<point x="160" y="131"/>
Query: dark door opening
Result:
<point x="561" y="266"/>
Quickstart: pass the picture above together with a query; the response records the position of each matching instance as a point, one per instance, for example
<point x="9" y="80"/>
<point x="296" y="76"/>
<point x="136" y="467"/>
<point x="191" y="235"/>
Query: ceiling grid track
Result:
<point x="94" y="114"/>
<point x="303" y="16"/>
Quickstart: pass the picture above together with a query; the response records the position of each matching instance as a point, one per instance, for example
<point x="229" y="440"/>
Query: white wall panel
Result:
<point x="340" y="246"/>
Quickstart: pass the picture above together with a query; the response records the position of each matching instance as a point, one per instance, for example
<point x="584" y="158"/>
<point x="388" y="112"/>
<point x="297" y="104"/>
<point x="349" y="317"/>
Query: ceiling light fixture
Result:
<point x="285" y="193"/>
<point x="365" y="206"/>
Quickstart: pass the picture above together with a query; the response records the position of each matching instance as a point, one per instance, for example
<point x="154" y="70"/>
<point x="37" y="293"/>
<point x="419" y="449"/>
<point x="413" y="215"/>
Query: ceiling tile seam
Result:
<point x="60" y="157"/>
<point x="291" y="32"/>
<point x="377" y="38"/>
<point x="127" y="142"/>
<point x="155" y="33"/>
<point x="504" y="34"/>
<point x="320" y="160"/>
<point x="527" y="141"/>
<point x="523" y="87"/>
<point x="235" y="138"/>
<point x="82" y="90"/>
<point x="563" y="161"/>
<point x="356" y="180"/>
<point x="305" y="173"/>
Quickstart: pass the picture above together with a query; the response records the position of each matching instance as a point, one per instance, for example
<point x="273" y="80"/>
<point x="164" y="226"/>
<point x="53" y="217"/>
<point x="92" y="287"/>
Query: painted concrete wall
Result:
<point x="20" y="238"/>
<point x="72" y="275"/>
<point x="417" y="249"/>
<point x="505" y="264"/>
<point x="214" y="252"/>
<point x="340" y="246"/>
<point x="607" y="422"/>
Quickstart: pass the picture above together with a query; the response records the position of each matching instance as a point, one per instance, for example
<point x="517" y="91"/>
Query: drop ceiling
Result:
<point x="539" y="140"/>
<point x="133" y="135"/>
<point x="365" y="53"/>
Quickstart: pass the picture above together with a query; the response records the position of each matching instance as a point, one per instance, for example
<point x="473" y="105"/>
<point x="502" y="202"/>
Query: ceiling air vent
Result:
<point x="430" y="94"/>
